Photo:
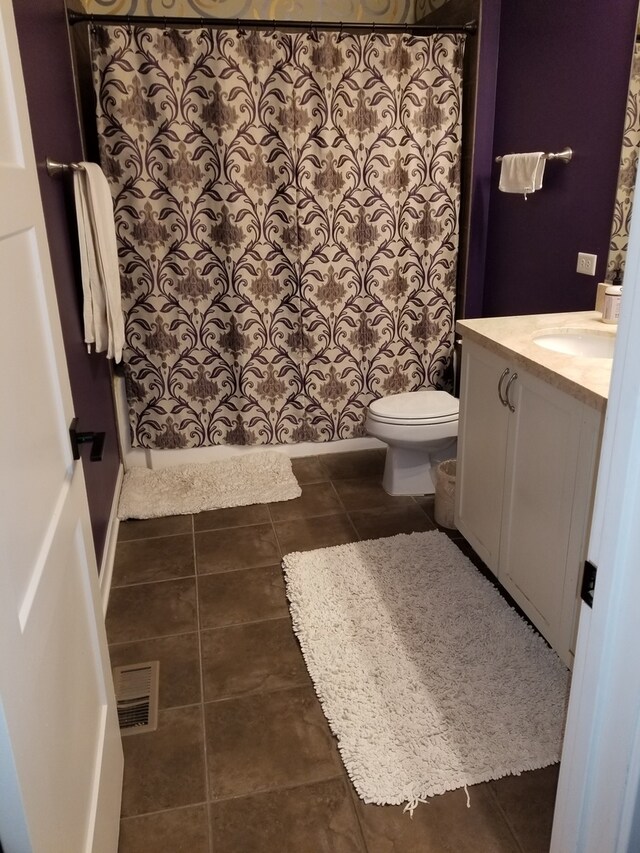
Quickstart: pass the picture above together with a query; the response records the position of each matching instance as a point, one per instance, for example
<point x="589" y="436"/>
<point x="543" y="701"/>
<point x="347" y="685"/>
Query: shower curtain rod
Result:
<point x="239" y="23"/>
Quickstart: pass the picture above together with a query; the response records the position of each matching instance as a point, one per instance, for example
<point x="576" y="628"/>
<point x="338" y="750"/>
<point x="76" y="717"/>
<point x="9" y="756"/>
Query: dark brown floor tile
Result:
<point x="165" y="769"/>
<point x="177" y="831"/>
<point x="389" y="521"/>
<point x="443" y="825"/>
<point x="151" y="610"/>
<point x="148" y="528"/>
<point x="309" y="469"/>
<point x="242" y="659"/>
<point x="146" y="560"/>
<point x="358" y="463"/>
<point x="233" y="516"/>
<point x="311" y="819"/>
<point x="366" y="492"/>
<point x="426" y="504"/>
<point x="528" y="802"/>
<point x="267" y="741"/>
<point x="236" y="548"/>
<point x="306" y="534"/>
<point x="468" y="551"/>
<point x="316" y="499"/>
<point x="179" y="658"/>
<point x="248" y="595"/>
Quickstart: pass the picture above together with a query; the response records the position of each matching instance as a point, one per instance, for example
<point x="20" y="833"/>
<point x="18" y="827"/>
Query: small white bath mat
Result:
<point x="428" y="679"/>
<point x="251" y="478"/>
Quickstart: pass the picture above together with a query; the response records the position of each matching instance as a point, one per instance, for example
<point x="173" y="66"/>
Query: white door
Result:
<point x="598" y="804"/>
<point x="60" y="751"/>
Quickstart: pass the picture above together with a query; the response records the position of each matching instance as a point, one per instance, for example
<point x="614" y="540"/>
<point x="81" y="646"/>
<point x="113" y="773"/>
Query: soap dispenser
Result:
<point x="612" y="298"/>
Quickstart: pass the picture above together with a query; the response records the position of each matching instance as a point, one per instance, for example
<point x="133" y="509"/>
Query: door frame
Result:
<point x="598" y="803"/>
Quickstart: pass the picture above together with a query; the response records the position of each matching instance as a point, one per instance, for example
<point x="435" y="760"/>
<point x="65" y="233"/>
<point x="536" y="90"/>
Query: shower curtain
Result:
<point x="287" y="219"/>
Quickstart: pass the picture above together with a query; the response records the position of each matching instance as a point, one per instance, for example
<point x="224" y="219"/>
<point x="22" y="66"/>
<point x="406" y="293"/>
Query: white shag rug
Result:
<point x="428" y="679"/>
<point x="251" y="478"/>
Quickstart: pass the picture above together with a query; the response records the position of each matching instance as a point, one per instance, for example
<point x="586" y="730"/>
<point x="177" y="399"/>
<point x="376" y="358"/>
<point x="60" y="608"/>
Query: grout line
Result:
<point x="147" y="639"/>
<point x="237" y="569"/>
<point x="154" y="538"/>
<point x="195" y="574"/>
<point x="353" y="797"/>
<point x="264" y="692"/>
<point x="164" y="708"/>
<point x="346" y="511"/>
<point x="164" y="811"/>
<point x="337" y="494"/>
<point x="221" y="529"/>
<point x="148" y="583"/>
<point x="333" y="511"/>
<point x="202" y="713"/>
<point x="278" y="543"/>
<point x="505" y="818"/>
<point x="144" y="639"/>
<point x="186" y="633"/>
<point x="244" y="624"/>
<point x="275" y="790"/>
<point x="260" y="691"/>
<point x="232" y="527"/>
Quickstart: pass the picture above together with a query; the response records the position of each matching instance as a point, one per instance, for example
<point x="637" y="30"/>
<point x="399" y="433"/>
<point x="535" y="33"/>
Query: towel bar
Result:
<point x="565" y="155"/>
<point x="55" y="168"/>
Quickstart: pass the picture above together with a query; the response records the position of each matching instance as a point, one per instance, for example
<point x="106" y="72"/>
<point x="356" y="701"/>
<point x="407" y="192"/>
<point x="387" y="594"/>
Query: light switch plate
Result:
<point x="586" y="263"/>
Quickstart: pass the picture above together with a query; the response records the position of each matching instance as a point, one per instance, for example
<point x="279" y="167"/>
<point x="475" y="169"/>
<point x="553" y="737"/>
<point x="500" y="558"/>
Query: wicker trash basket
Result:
<point x="445" y="493"/>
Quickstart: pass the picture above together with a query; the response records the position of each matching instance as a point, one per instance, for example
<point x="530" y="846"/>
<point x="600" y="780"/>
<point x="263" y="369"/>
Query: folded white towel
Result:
<point x="102" y="310"/>
<point x="522" y="173"/>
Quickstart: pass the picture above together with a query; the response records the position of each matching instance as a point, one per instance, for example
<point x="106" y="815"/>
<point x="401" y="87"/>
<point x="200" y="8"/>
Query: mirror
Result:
<point x="627" y="172"/>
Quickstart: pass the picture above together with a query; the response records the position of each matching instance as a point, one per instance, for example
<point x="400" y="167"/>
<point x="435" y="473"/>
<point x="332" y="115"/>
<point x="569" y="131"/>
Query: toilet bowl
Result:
<point x="421" y="429"/>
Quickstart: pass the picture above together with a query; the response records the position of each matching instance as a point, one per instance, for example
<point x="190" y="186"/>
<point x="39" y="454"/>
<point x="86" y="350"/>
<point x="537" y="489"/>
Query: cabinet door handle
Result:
<point x="512" y="379"/>
<point x="505" y="372"/>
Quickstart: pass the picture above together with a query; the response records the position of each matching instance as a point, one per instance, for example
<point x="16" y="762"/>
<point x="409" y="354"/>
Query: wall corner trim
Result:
<point x="108" y="557"/>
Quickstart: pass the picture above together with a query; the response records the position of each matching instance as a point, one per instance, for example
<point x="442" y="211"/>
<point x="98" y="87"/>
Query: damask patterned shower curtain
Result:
<point x="287" y="217"/>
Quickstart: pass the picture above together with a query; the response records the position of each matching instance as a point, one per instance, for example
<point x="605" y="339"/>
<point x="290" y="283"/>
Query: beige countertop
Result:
<point x="586" y="379"/>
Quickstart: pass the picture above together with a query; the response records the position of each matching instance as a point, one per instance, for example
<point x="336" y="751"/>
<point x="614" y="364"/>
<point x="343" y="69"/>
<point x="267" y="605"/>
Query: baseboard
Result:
<point x="156" y="459"/>
<point x="109" y="554"/>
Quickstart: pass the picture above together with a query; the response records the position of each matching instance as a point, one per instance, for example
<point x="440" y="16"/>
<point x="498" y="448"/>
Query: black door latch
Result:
<point x="588" y="583"/>
<point x="96" y="439"/>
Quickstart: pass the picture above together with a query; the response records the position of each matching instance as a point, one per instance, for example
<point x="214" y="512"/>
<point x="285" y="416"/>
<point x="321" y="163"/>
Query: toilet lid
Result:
<point x="416" y="407"/>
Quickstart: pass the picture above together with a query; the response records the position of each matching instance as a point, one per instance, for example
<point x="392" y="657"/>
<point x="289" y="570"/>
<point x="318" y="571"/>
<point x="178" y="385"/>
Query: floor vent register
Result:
<point x="136" y="688"/>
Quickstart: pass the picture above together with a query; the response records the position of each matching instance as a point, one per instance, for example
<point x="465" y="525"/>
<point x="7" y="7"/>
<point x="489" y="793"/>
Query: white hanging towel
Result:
<point x="102" y="309"/>
<point x="522" y="173"/>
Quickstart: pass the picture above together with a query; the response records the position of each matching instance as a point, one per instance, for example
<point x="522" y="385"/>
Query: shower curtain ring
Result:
<point x="340" y="32"/>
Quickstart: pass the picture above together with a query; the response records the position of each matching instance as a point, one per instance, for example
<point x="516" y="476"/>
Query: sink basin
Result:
<point x="586" y="343"/>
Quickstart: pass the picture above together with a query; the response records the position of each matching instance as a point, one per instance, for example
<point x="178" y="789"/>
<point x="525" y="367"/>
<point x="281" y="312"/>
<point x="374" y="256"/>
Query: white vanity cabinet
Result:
<point x="527" y="456"/>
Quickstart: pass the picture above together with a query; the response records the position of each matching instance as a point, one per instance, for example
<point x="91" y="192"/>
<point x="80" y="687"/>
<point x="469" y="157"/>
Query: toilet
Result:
<point x="421" y="429"/>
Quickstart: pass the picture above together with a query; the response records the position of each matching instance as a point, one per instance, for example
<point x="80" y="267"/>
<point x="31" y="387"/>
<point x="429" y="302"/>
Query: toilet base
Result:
<point x="407" y="472"/>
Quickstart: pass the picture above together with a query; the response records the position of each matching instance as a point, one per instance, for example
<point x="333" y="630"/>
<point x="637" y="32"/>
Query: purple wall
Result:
<point x="46" y="61"/>
<point x="482" y="165"/>
<point x="562" y="80"/>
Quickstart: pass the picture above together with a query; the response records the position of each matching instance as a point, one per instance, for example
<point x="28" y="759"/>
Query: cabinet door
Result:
<point x="482" y="445"/>
<point x="542" y="458"/>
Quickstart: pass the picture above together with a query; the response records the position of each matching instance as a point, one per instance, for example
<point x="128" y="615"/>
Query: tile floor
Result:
<point x="243" y="760"/>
